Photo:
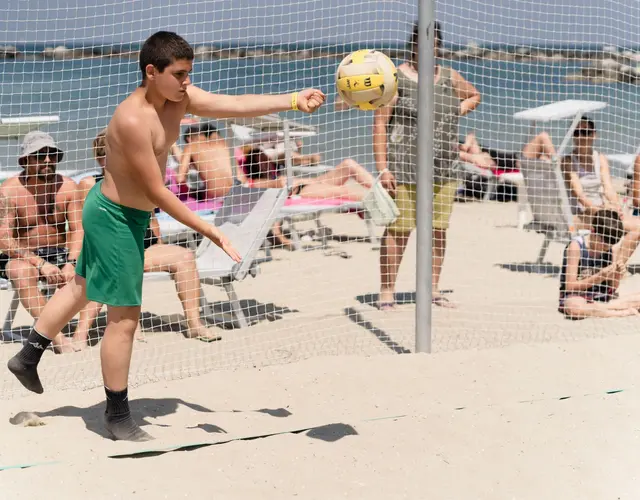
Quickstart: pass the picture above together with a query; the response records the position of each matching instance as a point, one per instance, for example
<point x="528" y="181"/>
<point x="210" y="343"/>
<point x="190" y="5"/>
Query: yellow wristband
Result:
<point x="294" y="101"/>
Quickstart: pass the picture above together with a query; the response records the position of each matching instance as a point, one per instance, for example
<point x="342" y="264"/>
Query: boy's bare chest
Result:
<point x="166" y="130"/>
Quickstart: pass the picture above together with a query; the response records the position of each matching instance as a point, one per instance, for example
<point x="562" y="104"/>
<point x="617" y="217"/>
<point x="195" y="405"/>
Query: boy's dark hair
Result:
<point x="413" y="43"/>
<point x="607" y="226"/>
<point x="163" y="48"/>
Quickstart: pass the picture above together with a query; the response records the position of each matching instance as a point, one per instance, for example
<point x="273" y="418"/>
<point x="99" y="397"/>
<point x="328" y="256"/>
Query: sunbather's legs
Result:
<point x="540" y="147"/>
<point x="391" y="252"/>
<point x="321" y="190"/>
<point x="24" y="277"/>
<point x="471" y="145"/>
<point x="630" y="222"/>
<point x="579" y="308"/>
<point x="347" y="169"/>
<point x="87" y="317"/>
<point x="280" y="237"/>
<point x="180" y="262"/>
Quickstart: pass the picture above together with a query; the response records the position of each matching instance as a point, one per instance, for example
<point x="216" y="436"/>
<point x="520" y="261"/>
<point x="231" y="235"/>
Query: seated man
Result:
<point x="158" y="257"/>
<point x="592" y="268"/>
<point x="207" y="154"/>
<point x="36" y="207"/>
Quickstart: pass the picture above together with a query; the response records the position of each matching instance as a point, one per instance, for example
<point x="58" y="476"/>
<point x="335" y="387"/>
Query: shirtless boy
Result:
<point x="117" y="210"/>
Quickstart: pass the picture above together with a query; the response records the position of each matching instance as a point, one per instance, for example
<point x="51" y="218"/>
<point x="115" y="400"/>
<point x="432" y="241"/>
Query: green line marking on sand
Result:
<point x="26" y="466"/>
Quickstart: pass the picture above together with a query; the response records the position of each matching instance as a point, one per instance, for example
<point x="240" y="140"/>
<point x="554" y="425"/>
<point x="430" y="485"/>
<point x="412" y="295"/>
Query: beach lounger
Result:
<point x="549" y="203"/>
<point x="14" y="127"/>
<point x="561" y="110"/>
<point x="245" y="218"/>
<point x="298" y="209"/>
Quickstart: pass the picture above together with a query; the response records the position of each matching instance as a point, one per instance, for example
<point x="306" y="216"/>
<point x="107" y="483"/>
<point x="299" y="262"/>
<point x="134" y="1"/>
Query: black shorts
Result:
<point x="150" y="239"/>
<point x="58" y="256"/>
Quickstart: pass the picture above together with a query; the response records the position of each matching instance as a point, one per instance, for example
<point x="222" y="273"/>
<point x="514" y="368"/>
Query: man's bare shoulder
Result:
<point x="87" y="183"/>
<point x="10" y="193"/>
<point x="67" y="185"/>
<point x="12" y="187"/>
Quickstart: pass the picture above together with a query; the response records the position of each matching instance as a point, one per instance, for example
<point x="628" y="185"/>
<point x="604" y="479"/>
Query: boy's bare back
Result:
<point x="161" y="130"/>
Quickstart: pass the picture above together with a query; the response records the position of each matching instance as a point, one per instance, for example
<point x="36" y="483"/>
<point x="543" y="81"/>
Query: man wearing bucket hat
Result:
<point x="35" y="208"/>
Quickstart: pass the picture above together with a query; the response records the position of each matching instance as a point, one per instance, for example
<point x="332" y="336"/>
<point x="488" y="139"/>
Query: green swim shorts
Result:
<point x="112" y="256"/>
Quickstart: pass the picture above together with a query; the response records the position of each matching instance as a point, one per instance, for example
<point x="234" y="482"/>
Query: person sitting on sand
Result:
<point x="158" y="257"/>
<point x="592" y="267"/>
<point x="207" y="154"/>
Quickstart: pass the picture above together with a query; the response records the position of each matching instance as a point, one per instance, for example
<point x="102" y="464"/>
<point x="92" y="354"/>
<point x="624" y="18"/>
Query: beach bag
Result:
<point x="380" y="206"/>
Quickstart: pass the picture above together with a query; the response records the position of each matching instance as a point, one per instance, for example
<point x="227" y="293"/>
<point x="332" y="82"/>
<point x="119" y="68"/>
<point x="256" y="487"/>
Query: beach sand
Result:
<point x="480" y="417"/>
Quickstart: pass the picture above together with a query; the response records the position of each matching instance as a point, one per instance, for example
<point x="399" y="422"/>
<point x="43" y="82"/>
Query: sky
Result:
<point x="529" y="22"/>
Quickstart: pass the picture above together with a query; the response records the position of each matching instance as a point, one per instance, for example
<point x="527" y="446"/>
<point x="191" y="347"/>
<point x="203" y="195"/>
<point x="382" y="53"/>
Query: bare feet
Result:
<point x="80" y="339"/>
<point x="621" y="313"/>
<point x="139" y="334"/>
<point x="437" y="299"/>
<point x="204" y="334"/>
<point x="62" y="344"/>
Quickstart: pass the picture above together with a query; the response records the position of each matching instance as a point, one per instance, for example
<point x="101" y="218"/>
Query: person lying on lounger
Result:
<point x="592" y="267"/>
<point x="276" y="153"/>
<point x="257" y="170"/>
<point x="539" y="148"/>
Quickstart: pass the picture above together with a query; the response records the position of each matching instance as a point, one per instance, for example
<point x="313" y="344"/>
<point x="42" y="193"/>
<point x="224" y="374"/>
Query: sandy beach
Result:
<point x="481" y="417"/>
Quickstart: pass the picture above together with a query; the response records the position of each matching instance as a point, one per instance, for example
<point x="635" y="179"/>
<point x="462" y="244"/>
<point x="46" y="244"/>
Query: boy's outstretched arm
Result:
<point x="206" y="104"/>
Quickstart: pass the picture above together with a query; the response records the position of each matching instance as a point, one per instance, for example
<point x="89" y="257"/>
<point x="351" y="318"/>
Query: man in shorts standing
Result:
<point x="117" y="210"/>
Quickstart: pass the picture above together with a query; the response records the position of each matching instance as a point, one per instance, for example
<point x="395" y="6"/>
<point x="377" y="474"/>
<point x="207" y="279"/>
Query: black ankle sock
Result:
<point x="33" y="350"/>
<point x="117" y="403"/>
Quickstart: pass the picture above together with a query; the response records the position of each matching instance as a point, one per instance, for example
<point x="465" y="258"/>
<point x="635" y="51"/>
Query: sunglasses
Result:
<point x="41" y="155"/>
<point x="583" y="132"/>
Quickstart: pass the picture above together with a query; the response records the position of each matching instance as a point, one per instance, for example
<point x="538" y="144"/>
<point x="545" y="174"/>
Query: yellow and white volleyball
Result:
<point x="367" y="79"/>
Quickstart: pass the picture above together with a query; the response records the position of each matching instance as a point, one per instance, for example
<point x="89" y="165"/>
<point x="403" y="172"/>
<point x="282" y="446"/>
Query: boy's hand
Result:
<point x="221" y="240"/>
<point x="310" y="100"/>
